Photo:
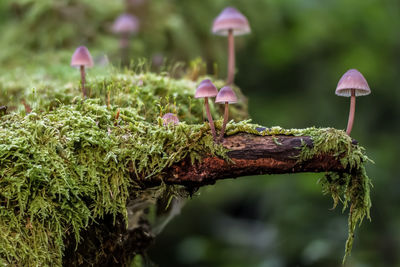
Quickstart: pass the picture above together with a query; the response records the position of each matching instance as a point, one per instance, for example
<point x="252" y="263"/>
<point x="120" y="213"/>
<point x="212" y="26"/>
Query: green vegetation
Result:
<point x="67" y="163"/>
<point x="288" y="65"/>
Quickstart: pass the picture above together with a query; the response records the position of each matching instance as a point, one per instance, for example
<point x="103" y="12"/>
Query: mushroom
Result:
<point x="170" y="118"/>
<point x="352" y="84"/>
<point x="231" y="22"/>
<point x="227" y="96"/>
<point x="125" y="26"/>
<point x="82" y="58"/>
<point x="205" y="90"/>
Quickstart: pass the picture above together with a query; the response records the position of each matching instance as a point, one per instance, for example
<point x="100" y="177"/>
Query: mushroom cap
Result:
<point x="352" y="80"/>
<point x="206" y="89"/>
<point x="170" y="118"/>
<point x="231" y="19"/>
<point x="226" y="94"/>
<point x="126" y="24"/>
<point x="82" y="57"/>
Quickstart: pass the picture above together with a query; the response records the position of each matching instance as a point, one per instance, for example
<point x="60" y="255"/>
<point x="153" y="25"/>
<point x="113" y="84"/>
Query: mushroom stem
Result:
<point x="226" y="115"/>
<point x="83" y="80"/>
<point x="210" y="120"/>
<point x="124" y="44"/>
<point x="231" y="58"/>
<point x="352" y="111"/>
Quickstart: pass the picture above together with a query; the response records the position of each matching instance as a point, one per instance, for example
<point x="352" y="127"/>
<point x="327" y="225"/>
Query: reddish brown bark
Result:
<point x="251" y="155"/>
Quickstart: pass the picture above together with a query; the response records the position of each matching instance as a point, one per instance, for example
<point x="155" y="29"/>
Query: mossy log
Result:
<point x="249" y="154"/>
<point x="86" y="184"/>
<point x="253" y="155"/>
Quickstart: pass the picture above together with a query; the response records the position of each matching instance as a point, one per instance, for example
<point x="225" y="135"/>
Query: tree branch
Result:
<point x="252" y="155"/>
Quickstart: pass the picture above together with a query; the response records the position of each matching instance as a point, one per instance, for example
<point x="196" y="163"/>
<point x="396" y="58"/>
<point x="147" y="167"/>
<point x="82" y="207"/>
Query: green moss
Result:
<point x="68" y="162"/>
<point x="352" y="189"/>
<point x="149" y="94"/>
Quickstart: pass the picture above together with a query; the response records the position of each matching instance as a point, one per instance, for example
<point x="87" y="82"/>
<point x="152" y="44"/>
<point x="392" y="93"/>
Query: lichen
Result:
<point x="70" y="161"/>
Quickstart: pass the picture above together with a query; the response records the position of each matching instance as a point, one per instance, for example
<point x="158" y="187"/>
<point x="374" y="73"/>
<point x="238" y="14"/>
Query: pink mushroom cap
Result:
<point x="352" y="80"/>
<point x="170" y="118"/>
<point x="206" y="89"/>
<point x="226" y="94"/>
<point x="126" y="24"/>
<point x="82" y="57"/>
<point x="231" y="19"/>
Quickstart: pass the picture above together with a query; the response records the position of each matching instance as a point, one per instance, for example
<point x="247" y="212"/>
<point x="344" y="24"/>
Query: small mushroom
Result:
<point x="125" y="26"/>
<point x="231" y="22"/>
<point x="226" y="96"/>
<point x="170" y="118"/>
<point x="205" y="90"/>
<point x="352" y="84"/>
<point x="82" y="58"/>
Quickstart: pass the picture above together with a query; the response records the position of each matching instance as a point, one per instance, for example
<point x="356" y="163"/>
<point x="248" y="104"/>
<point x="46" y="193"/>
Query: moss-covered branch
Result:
<point x="251" y="154"/>
<point x="71" y="170"/>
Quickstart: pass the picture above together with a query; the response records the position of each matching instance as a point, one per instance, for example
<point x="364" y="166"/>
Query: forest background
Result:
<point x="288" y="67"/>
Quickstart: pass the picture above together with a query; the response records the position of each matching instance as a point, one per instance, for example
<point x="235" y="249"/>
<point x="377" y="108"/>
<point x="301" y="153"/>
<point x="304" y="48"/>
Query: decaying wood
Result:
<point x="252" y="155"/>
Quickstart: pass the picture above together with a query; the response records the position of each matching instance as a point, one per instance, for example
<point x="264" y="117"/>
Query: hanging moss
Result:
<point x="352" y="189"/>
<point x="68" y="162"/>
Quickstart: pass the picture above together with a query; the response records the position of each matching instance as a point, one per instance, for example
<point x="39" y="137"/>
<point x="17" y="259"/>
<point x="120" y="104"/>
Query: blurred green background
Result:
<point x="288" y="67"/>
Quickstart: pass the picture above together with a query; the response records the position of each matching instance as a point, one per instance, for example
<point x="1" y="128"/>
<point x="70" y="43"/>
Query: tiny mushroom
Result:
<point x="82" y="58"/>
<point x="352" y="84"/>
<point x="205" y="90"/>
<point x="231" y="22"/>
<point x="170" y="118"/>
<point x="225" y="96"/>
<point x="125" y="25"/>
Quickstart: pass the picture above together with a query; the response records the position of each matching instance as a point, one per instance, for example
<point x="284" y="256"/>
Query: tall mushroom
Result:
<point x="352" y="84"/>
<point x="225" y="96"/>
<point x="231" y="22"/>
<point x="125" y="26"/>
<point x="205" y="90"/>
<point x="82" y="58"/>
